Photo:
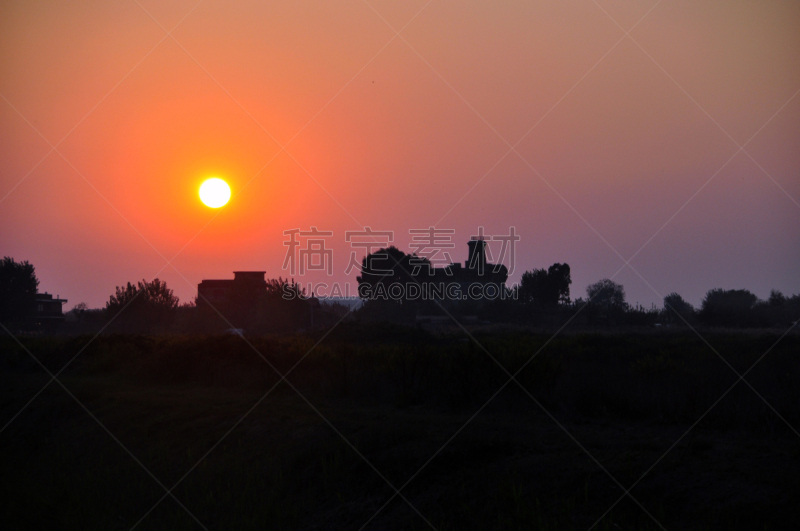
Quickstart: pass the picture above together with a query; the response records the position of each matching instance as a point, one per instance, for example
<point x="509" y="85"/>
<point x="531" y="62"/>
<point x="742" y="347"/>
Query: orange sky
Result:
<point x="612" y="134"/>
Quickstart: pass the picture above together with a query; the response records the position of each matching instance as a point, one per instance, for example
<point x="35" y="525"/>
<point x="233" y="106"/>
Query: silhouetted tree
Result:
<point x="533" y="287"/>
<point x="80" y="307"/>
<point x="560" y="277"/>
<point x="76" y="312"/>
<point x="18" y="285"/>
<point x="545" y="287"/>
<point x="776" y="299"/>
<point x="606" y="294"/>
<point x="379" y="271"/>
<point x="777" y="310"/>
<point x="287" y="306"/>
<point x="728" y="307"/>
<point x="677" y="310"/>
<point x="389" y="265"/>
<point x="144" y="307"/>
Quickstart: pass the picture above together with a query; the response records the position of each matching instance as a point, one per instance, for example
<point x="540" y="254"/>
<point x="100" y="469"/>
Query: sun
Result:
<point x="215" y="192"/>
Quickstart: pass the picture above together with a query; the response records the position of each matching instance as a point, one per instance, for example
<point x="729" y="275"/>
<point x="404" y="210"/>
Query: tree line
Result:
<point x="541" y="298"/>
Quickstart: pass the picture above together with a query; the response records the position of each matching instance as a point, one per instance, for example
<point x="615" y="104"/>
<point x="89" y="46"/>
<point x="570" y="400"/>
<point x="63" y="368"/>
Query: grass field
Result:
<point x="374" y="409"/>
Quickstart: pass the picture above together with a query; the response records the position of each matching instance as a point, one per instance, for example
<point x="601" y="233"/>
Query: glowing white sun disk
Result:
<point x="215" y="192"/>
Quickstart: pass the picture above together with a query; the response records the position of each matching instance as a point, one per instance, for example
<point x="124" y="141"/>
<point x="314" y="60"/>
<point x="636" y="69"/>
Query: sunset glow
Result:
<point x="625" y="146"/>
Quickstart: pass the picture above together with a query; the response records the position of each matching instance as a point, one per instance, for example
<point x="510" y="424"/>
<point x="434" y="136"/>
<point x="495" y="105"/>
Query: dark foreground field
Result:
<point x="380" y="409"/>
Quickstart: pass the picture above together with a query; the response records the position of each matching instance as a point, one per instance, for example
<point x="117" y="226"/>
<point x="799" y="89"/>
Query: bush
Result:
<point x="728" y="308"/>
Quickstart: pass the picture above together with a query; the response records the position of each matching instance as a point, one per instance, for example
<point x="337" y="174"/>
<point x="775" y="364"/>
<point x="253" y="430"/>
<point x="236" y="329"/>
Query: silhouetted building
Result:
<point x="477" y="254"/>
<point x="47" y="312"/>
<point x="249" y="303"/>
<point x="475" y="270"/>
<point x="222" y="292"/>
<point x="478" y="281"/>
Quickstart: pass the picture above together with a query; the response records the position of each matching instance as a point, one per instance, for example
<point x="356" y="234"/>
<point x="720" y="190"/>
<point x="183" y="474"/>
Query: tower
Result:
<point x="477" y="255"/>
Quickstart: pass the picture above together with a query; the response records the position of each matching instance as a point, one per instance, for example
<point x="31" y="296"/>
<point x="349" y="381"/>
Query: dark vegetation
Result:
<point x="398" y="394"/>
<point x="639" y="389"/>
<point x="148" y="306"/>
<point x="541" y="300"/>
<point x="18" y="285"/>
